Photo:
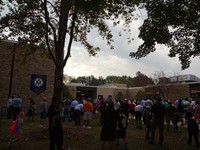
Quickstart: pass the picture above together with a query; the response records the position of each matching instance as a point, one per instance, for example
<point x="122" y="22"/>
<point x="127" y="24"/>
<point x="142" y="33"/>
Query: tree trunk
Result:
<point x="59" y="51"/>
<point x="58" y="82"/>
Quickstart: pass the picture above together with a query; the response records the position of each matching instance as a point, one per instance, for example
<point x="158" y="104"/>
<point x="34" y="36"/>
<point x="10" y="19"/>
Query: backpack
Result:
<point x="147" y="117"/>
<point x="123" y="122"/>
<point x="12" y="127"/>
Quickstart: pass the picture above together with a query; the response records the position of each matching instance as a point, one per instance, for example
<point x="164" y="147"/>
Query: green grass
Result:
<point x="35" y="138"/>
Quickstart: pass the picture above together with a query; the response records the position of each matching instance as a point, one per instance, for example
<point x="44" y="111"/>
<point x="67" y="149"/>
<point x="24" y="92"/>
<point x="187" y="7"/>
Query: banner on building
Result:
<point x="38" y="83"/>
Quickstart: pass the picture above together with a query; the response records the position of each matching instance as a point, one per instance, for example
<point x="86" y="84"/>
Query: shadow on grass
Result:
<point x="35" y="138"/>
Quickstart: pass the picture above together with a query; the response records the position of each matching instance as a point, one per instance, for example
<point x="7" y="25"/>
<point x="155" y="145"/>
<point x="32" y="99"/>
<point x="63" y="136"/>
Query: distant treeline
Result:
<point x="138" y="81"/>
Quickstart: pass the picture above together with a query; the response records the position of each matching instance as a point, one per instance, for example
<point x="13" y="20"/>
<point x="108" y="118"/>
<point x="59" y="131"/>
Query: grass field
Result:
<point x="35" y="138"/>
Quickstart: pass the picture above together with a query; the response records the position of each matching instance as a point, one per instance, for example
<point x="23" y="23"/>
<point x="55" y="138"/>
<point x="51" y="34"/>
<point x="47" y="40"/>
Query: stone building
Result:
<point x="171" y="91"/>
<point x="18" y="65"/>
<point x="181" y="86"/>
<point x="78" y="91"/>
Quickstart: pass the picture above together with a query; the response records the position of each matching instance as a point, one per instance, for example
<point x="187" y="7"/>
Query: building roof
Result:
<point x="185" y="78"/>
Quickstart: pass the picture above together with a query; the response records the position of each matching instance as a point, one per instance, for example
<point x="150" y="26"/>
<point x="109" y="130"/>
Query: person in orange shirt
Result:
<point x="87" y="117"/>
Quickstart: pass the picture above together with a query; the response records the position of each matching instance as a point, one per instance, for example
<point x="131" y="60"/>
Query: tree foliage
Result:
<point x="120" y="80"/>
<point x="142" y="80"/>
<point x="91" y="80"/>
<point x="55" y="24"/>
<point x="137" y="81"/>
<point x="174" y="23"/>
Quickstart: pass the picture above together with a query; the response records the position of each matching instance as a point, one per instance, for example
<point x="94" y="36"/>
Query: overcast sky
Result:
<point x="118" y="62"/>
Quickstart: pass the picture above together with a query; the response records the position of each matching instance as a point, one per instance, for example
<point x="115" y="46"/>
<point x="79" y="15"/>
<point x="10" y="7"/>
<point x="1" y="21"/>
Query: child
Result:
<point x="122" y="124"/>
<point x="147" y="119"/>
<point x="31" y="111"/>
<point x="193" y="129"/>
<point x="18" y="133"/>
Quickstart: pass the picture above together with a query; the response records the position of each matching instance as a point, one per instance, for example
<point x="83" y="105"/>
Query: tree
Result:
<point x="69" y="79"/>
<point x="120" y="95"/>
<point x="174" y="23"/>
<point x="120" y="80"/>
<point x="54" y="24"/>
<point x="50" y="23"/>
<point x="161" y="84"/>
<point x="142" y="80"/>
<point x="140" y="94"/>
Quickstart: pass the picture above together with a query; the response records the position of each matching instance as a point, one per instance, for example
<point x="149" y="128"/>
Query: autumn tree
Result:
<point x="174" y="23"/>
<point x="141" y="80"/>
<point x="54" y="24"/>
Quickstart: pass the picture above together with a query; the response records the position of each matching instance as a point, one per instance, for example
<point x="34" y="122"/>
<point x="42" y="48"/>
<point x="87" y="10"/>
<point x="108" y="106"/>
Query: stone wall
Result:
<point x="22" y="70"/>
<point x="105" y="91"/>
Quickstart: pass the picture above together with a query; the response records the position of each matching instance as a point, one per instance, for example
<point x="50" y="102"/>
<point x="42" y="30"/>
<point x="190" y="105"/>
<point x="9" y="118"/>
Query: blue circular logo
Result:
<point x="38" y="82"/>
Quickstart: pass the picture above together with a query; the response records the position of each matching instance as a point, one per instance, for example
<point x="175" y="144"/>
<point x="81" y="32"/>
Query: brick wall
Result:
<point x="171" y="91"/>
<point x="34" y="64"/>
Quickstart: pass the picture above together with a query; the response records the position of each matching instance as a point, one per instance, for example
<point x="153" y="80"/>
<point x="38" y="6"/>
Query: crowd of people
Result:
<point x="149" y="114"/>
<point x="14" y="107"/>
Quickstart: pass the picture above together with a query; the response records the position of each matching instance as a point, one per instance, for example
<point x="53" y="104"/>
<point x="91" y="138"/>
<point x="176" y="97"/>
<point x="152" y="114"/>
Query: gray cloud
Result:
<point x="117" y="62"/>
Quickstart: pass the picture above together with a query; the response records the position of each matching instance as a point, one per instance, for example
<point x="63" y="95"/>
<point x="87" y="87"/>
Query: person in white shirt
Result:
<point x="138" y="115"/>
<point x="10" y="107"/>
<point x="78" y="110"/>
<point x="117" y="104"/>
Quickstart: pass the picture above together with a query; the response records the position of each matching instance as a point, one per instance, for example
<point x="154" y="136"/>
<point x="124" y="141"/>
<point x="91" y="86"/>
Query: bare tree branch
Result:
<point x="71" y="37"/>
<point x="46" y="34"/>
<point x="56" y="11"/>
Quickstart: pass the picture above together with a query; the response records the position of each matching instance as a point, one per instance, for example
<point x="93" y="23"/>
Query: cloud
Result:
<point x="118" y="62"/>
